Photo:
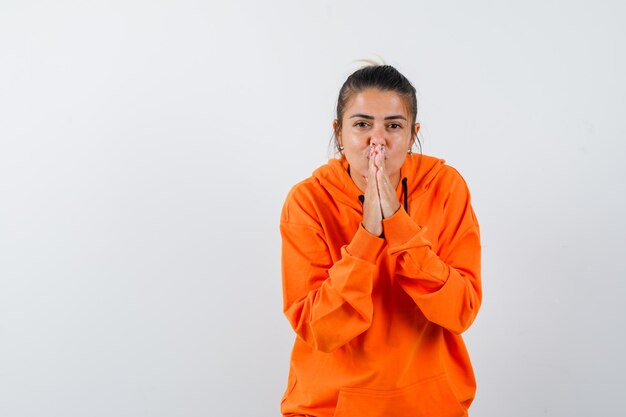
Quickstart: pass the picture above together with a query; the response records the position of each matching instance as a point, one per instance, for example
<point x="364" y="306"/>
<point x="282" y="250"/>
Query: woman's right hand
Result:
<point x="372" y="213"/>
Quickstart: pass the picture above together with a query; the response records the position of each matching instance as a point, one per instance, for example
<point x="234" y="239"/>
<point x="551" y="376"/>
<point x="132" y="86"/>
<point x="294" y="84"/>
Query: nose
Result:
<point x="378" y="137"/>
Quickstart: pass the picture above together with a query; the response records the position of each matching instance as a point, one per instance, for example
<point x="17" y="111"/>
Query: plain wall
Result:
<point x="146" y="148"/>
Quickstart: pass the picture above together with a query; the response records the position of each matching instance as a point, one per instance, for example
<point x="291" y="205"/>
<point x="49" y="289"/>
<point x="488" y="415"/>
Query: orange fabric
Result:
<point x="379" y="320"/>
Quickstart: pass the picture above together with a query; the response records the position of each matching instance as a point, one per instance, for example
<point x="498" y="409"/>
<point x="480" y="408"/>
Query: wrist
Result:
<point x="374" y="231"/>
<point x="392" y="210"/>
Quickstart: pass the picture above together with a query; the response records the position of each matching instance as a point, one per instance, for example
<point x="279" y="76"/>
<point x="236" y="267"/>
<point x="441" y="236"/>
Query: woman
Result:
<point x="380" y="267"/>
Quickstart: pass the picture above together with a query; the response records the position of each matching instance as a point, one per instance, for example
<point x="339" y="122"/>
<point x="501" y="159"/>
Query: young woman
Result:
<point x="380" y="267"/>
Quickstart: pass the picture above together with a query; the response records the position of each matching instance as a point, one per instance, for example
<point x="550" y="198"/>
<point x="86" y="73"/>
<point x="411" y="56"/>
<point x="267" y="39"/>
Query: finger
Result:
<point x="371" y="175"/>
<point x="380" y="179"/>
<point x="378" y="157"/>
<point x="383" y="160"/>
<point x="370" y="162"/>
<point x="382" y="165"/>
<point x="384" y="184"/>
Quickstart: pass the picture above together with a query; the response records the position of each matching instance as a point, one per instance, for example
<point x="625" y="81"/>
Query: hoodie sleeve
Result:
<point x="327" y="304"/>
<point x="446" y="285"/>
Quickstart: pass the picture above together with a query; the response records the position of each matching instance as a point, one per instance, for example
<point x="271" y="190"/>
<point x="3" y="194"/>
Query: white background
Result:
<point x="146" y="148"/>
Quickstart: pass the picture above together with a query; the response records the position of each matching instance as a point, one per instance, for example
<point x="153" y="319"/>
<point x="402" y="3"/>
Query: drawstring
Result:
<point x="405" y="194"/>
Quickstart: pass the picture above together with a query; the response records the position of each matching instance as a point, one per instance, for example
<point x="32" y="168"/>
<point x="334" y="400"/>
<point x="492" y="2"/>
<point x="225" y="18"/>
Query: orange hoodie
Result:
<point x="379" y="320"/>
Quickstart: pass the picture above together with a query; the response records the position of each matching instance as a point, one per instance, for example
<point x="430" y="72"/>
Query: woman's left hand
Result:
<point x="389" y="203"/>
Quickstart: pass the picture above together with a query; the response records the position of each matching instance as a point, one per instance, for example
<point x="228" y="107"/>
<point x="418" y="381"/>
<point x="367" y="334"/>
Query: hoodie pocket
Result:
<point x="431" y="397"/>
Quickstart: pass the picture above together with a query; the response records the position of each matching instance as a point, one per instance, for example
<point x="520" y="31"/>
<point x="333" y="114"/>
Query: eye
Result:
<point x="394" y="126"/>
<point x="361" y="123"/>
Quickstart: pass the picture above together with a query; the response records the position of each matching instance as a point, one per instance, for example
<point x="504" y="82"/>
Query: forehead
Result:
<point x="377" y="103"/>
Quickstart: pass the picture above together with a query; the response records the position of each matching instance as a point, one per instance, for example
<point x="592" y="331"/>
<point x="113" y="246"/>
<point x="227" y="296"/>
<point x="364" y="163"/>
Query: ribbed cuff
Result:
<point x="365" y="245"/>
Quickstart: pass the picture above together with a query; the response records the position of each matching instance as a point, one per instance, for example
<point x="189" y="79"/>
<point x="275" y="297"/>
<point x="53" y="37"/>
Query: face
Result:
<point x="374" y="117"/>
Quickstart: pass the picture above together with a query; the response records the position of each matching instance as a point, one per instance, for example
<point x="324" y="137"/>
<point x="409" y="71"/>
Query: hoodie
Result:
<point x="378" y="320"/>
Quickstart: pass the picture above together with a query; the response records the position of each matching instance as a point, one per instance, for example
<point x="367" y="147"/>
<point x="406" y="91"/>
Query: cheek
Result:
<point x="357" y="146"/>
<point x="357" y="141"/>
<point x="396" y="159"/>
<point x="357" y="156"/>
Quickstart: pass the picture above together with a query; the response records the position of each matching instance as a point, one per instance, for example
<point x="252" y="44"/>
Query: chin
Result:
<point x="360" y="174"/>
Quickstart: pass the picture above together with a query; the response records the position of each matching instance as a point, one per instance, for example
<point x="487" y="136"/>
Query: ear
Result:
<point x="337" y="133"/>
<point x="416" y="129"/>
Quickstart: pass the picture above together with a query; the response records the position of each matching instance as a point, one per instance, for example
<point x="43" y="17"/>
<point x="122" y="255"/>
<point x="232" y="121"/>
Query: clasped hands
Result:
<point x="380" y="200"/>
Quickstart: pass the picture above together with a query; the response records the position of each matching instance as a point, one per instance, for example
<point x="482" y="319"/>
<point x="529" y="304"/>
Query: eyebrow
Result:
<point x="367" y="116"/>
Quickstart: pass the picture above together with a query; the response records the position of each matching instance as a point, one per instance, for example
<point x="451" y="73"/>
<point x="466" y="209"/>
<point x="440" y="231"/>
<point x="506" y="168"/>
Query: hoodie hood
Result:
<point x="418" y="170"/>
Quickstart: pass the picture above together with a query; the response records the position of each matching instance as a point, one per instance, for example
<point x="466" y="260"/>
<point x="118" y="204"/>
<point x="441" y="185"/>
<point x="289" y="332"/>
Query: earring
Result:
<point x="410" y="151"/>
<point x="340" y="148"/>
